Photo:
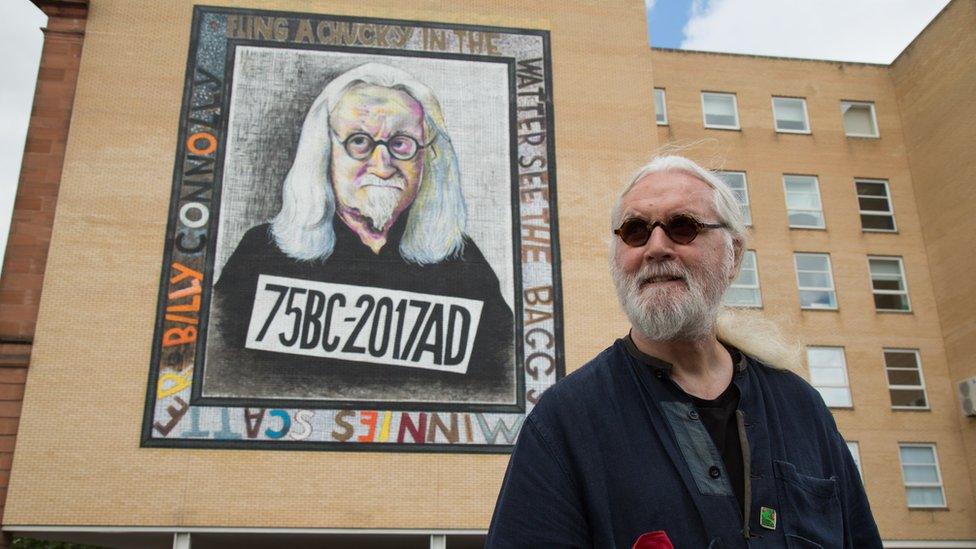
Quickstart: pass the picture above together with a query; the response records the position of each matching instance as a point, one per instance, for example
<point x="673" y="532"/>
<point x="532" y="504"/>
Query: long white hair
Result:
<point x="436" y="219"/>
<point x="749" y="331"/>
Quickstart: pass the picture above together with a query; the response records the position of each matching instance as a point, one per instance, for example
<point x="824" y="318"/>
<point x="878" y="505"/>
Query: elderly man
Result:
<point x="673" y="436"/>
<point x="365" y="286"/>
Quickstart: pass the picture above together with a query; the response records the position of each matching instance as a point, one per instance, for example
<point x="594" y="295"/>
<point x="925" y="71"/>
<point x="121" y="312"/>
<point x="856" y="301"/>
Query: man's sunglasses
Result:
<point x="681" y="228"/>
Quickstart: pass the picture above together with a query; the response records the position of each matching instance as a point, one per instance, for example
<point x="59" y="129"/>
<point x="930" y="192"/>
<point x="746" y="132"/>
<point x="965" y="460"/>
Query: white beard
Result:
<point x="382" y="196"/>
<point x="684" y="310"/>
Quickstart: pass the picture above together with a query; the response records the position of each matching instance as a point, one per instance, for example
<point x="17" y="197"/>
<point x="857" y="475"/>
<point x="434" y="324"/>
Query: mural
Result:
<point x="361" y="251"/>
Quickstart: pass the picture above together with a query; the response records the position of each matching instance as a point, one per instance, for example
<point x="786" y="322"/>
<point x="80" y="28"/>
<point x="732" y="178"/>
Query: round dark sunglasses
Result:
<point x="681" y="229"/>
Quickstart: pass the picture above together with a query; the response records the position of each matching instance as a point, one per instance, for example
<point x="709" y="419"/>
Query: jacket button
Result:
<point x="659" y="374"/>
<point x="693" y="414"/>
<point x="714" y="472"/>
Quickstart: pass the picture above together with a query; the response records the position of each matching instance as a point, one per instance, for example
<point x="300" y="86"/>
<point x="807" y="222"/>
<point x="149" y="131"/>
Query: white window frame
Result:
<point x="664" y="107"/>
<point x="806" y="115"/>
<point x="755" y="262"/>
<point x="847" y="379"/>
<point x="830" y="275"/>
<point x="735" y="110"/>
<point x="855" y="449"/>
<point x="938" y="473"/>
<point x="745" y="189"/>
<point x="878" y="213"/>
<point x="844" y="104"/>
<point x="904" y="282"/>
<point x="921" y="378"/>
<point x="816" y="185"/>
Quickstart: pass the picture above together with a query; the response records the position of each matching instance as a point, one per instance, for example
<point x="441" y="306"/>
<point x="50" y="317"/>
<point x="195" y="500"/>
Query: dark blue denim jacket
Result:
<point x="611" y="452"/>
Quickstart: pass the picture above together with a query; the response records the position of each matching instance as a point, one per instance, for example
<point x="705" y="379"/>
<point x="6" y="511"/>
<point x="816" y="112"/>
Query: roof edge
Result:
<point x="780" y="57"/>
<point x="945" y="8"/>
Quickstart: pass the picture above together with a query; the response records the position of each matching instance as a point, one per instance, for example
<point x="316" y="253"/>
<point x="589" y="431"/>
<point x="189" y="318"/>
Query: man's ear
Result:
<point x="738" y="250"/>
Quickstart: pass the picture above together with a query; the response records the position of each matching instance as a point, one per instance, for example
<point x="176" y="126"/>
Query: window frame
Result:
<point x="800" y="288"/>
<point x="847" y="378"/>
<point x="938" y="471"/>
<point x="877" y="213"/>
<point x="806" y="115"/>
<point x="745" y="190"/>
<point x="735" y="110"/>
<point x="904" y="282"/>
<point x="874" y="118"/>
<point x="786" y="191"/>
<point x="854" y="447"/>
<point x="921" y="378"/>
<point x="757" y="287"/>
<point x="664" y="107"/>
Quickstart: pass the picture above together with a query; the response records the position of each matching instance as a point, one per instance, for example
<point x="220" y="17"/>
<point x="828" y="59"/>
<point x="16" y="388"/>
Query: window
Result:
<point x="855" y="450"/>
<point x="888" y="284"/>
<point x="744" y="291"/>
<point x="828" y="375"/>
<point x="905" y="382"/>
<point x="859" y="119"/>
<point x="660" y="107"/>
<point x="803" y="202"/>
<point x="923" y="480"/>
<point x="720" y="110"/>
<point x="815" y="281"/>
<point x="790" y="115"/>
<point x="875" y="205"/>
<point x="737" y="182"/>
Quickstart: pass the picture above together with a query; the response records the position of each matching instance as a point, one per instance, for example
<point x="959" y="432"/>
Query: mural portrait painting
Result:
<point x="361" y="251"/>
<point x="395" y="300"/>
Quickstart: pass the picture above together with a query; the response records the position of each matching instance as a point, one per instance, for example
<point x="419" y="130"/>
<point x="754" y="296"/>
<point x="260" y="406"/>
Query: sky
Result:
<point x="867" y="31"/>
<point x="871" y="31"/>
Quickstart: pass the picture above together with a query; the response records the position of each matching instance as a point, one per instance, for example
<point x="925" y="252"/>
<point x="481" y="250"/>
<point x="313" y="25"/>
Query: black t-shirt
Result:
<point x="720" y="421"/>
<point x="718" y="416"/>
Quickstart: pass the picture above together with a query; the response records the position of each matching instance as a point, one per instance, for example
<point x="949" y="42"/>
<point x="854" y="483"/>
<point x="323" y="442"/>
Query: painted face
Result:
<point x="671" y="290"/>
<point x="376" y="185"/>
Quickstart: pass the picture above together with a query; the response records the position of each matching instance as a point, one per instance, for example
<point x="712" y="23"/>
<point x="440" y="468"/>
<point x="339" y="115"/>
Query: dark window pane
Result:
<point x="891" y="302"/>
<point x="895" y="359"/>
<point x="886" y="284"/>
<point x="873" y="204"/>
<point x="908" y="397"/>
<point x="877" y="222"/>
<point x="904" y="377"/>
<point x="872" y="189"/>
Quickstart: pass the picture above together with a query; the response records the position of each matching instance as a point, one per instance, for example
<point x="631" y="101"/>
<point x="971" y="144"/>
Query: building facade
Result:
<point x="853" y="176"/>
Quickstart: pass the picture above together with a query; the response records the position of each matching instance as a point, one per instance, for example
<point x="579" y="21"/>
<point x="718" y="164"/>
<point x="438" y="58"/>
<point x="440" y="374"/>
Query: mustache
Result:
<point x="397" y="181"/>
<point x="668" y="269"/>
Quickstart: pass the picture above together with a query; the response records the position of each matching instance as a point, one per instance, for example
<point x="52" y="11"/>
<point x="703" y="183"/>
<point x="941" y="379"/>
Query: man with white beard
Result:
<point x="691" y="431"/>
<point x="372" y="216"/>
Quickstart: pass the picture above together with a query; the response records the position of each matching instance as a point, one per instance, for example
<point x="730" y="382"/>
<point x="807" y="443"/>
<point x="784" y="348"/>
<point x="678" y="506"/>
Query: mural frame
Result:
<point x="175" y="399"/>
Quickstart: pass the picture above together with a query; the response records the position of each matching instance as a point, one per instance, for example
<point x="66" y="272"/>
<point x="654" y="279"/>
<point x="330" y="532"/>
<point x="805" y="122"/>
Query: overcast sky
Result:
<point x="872" y="31"/>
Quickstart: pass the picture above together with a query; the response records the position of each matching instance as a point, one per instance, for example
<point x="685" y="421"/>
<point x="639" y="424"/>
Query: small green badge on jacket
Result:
<point x="767" y="518"/>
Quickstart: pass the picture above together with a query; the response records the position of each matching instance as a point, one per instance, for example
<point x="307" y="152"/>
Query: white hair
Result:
<point x="750" y="331"/>
<point x="436" y="219"/>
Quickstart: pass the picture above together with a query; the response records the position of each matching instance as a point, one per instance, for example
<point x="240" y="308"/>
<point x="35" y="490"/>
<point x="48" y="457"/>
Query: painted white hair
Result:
<point x="749" y="331"/>
<point x="436" y="219"/>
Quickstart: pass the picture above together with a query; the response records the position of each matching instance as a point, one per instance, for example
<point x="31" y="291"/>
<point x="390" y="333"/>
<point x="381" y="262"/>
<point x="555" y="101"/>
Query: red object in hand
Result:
<point x="653" y="540"/>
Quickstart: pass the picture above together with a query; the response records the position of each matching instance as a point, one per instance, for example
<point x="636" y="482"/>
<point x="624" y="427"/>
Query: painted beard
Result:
<point x="376" y="199"/>
<point x="684" y="308"/>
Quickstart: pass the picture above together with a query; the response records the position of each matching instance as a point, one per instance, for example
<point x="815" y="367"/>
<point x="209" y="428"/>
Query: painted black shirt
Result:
<point x="232" y="371"/>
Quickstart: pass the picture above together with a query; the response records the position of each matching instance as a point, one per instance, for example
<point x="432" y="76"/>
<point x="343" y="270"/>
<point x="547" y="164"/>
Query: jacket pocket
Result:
<point x="812" y="514"/>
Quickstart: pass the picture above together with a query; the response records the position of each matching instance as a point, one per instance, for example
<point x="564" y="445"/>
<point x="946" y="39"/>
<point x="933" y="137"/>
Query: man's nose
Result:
<point x="380" y="162"/>
<point x="659" y="245"/>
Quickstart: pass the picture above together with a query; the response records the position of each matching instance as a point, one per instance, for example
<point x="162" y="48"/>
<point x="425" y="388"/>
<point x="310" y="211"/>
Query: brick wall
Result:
<point x="33" y="217"/>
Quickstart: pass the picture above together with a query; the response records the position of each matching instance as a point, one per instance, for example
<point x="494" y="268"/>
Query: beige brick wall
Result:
<point x="836" y="159"/>
<point x="934" y="81"/>
<point x="78" y="459"/>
